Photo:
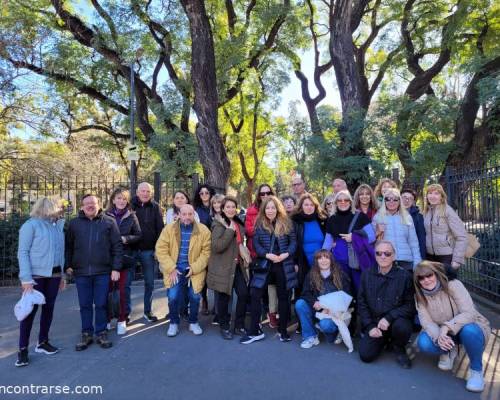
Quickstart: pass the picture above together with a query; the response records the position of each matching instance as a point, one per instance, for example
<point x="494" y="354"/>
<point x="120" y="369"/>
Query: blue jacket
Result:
<point x="418" y="221"/>
<point x="286" y="244"/>
<point x="41" y="248"/>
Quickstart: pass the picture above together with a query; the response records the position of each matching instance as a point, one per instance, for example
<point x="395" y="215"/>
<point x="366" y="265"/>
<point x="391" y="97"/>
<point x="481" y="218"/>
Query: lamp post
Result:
<point x="132" y="148"/>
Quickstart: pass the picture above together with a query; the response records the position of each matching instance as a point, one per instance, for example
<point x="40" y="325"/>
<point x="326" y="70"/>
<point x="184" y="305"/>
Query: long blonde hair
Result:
<point x="403" y="213"/>
<point x="47" y="208"/>
<point x="424" y="268"/>
<point x="283" y="225"/>
<point x="441" y="208"/>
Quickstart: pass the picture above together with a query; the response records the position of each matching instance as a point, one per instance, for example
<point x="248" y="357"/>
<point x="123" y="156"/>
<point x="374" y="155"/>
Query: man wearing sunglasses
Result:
<point x="298" y="187"/>
<point x="386" y="307"/>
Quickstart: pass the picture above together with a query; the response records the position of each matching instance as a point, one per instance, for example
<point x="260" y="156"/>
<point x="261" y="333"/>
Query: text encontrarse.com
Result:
<point x="50" y="389"/>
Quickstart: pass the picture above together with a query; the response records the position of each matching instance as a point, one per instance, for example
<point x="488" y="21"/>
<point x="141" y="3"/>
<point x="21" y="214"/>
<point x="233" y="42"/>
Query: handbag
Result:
<point x="351" y="254"/>
<point x="262" y="264"/>
<point x="114" y="302"/>
<point x="473" y="245"/>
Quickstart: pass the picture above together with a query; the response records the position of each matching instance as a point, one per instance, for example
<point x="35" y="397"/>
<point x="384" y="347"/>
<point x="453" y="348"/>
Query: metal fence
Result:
<point x="19" y="194"/>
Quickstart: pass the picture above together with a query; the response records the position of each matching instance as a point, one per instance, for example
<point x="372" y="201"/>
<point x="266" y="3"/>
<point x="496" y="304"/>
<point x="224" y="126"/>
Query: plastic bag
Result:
<point x="25" y="305"/>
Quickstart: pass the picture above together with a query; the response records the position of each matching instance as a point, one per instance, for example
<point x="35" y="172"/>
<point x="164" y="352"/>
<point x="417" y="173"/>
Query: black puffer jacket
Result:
<point x="388" y="296"/>
<point x="283" y="244"/>
<point x="150" y="220"/>
<point x="94" y="246"/>
<point x="130" y="230"/>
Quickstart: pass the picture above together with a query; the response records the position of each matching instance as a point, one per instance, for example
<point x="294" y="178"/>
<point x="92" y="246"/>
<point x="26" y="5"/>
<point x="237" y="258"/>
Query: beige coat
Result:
<point x="445" y="235"/>
<point x="438" y="312"/>
<point x="167" y="252"/>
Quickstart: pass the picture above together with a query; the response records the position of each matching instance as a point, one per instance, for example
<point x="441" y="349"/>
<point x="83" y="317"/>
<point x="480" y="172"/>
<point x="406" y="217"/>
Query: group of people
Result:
<point x="399" y="265"/>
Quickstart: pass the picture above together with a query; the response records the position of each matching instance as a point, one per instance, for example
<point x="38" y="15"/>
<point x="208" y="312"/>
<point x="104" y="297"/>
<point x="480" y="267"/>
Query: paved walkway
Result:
<point x="147" y="364"/>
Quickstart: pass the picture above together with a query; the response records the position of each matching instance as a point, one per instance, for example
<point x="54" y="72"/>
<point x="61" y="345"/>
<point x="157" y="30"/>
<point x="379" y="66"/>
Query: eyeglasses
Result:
<point x="388" y="199"/>
<point x="296" y="184"/>
<point x="204" y="193"/>
<point x="343" y="201"/>
<point x="383" y="253"/>
<point x="262" y="194"/>
<point x="423" y="277"/>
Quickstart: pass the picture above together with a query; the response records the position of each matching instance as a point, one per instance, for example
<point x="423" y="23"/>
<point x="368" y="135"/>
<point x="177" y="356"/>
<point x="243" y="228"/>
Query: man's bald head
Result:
<point x="186" y="214"/>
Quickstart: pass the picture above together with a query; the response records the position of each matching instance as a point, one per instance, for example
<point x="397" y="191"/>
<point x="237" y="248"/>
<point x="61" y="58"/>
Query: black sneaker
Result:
<point x="46" y="348"/>
<point x="86" y="341"/>
<point x="215" y="321"/>
<point x="226" y="334"/>
<point x="150" y="317"/>
<point x="240" y="332"/>
<point x="247" y="339"/>
<point x="285" y="337"/>
<point x="22" y="358"/>
<point x="403" y="360"/>
<point x="102" y="340"/>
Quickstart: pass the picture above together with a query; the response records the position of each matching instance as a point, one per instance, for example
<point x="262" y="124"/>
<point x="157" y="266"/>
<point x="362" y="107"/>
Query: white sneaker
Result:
<point x="475" y="383"/>
<point x="121" y="328"/>
<point x="173" y="330"/>
<point x="446" y="360"/>
<point x="338" y="339"/>
<point x="195" y="328"/>
<point x="309" y="342"/>
<point x="108" y="326"/>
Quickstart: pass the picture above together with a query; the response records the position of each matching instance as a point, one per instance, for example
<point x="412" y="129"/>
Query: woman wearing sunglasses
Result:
<point x="386" y="307"/>
<point x="446" y="237"/>
<point x="339" y="234"/>
<point x="393" y="222"/>
<point x="327" y="204"/>
<point x="263" y="192"/>
<point x="449" y="318"/>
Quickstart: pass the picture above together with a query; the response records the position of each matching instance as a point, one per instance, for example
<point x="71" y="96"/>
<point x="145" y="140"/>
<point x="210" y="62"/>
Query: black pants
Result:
<point x="278" y="274"/>
<point x="241" y="288"/>
<point x="446" y="261"/>
<point x="399" y="333"/>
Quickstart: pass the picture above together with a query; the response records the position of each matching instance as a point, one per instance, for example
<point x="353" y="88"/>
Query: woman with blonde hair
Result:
<point x="449" y="318"/>
<point x="327" y="204"/>
<point x="275" y="245"/>
<point x="41" y="258"/>
<point x="365" y="200"/>
<point x="393" y="222"/>
<point x="446" y="237"/>
<point x="382" y="185"/>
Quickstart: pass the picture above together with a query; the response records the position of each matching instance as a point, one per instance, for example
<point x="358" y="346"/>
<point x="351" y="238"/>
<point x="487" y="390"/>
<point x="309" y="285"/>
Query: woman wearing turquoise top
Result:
<point x="309" y="221"/>
<point x="41" y="257"/>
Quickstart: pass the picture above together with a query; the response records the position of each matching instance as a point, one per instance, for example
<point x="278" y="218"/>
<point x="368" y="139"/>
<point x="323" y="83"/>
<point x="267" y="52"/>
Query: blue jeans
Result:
<point x="93" y="291"/>
<point x="149" y="268"/>
<point x="306" y="314"/>
<point x="175" y="297"/>
<point x="470" y="336"/>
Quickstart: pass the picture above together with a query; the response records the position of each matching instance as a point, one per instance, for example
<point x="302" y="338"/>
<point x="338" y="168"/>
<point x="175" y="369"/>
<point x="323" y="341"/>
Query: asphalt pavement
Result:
<point x="146" y="364"/>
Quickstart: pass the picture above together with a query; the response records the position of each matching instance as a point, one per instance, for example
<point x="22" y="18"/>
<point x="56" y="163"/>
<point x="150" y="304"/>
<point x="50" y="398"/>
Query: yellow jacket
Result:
<point x="167" y="252"/>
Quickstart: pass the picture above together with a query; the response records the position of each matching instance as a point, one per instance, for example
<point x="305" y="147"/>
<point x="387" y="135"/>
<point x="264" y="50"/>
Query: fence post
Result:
<point x="157" y="186"/>
<point x="395" y="175"/>
<point x="447" y="181"/>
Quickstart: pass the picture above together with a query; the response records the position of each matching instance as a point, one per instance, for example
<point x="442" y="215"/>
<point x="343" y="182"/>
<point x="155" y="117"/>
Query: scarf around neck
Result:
<point x="436" y="289"/>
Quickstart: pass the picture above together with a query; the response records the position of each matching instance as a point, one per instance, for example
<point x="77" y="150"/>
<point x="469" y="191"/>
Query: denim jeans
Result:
<point x="470" y="336"/>
<point x="306" y="315"/>
<point x="149" y="268"/>
<point x="93" y="291"/>
<point x="175" y="297"/>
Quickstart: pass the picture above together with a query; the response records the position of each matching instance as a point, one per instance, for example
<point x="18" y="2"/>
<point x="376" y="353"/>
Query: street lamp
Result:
<point x="132" y="148"/>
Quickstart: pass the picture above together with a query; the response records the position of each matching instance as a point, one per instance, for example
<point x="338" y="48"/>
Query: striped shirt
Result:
<point x="183" y="259"/>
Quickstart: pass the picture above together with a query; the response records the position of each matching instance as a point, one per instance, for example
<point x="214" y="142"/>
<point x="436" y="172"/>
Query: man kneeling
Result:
<point x="386" y="307"/>
<point x="183" y="250"/>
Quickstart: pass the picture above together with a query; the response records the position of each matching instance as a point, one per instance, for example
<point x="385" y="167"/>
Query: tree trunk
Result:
<point x="472" y="142"/>
<point x="213" y="156"/>
<point x="354" y="101"/>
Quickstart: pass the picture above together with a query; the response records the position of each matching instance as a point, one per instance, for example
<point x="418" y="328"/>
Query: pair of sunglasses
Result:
<point x="422" y="277"/>
<point x="391" y="199"/>
<point x="381" y="253"/>
<point x="265" y="194"/>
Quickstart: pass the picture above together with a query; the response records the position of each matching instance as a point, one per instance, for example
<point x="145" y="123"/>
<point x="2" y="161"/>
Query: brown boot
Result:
<point x="86" y="341"/>
<point x="102" y="340"/>
<point x="273" y="320"/>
